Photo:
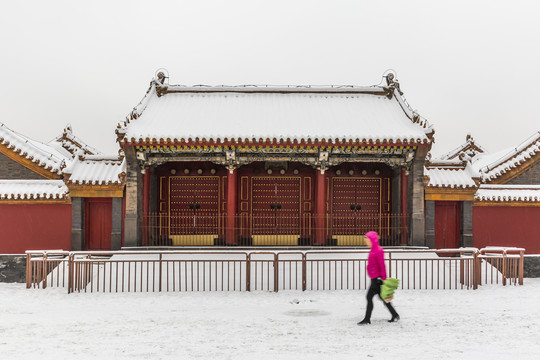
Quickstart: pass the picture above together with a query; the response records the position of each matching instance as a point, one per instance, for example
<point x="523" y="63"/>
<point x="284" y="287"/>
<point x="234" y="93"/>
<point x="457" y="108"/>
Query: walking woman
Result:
<point x="376" y="270"/>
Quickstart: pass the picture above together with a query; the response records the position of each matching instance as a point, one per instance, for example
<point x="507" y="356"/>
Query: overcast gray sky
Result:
<point x="466" y="66"/>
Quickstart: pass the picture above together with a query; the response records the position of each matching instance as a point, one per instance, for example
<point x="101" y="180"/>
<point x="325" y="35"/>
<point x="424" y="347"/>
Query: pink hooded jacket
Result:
<point x="375" y="266"/>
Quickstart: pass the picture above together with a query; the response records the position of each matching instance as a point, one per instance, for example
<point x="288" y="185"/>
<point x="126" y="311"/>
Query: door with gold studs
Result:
<point x="356" y="208"/>
<point x="194" y="209"/>
<point x="276" y="210"/>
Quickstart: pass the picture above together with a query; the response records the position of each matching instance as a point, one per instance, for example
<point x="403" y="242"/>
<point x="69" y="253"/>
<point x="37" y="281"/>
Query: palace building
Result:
<point x="264" y="165"/>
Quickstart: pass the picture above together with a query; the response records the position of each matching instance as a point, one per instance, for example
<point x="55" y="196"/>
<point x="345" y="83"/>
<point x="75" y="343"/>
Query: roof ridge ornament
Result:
<point x="392" y="82"/>
<point x="68" y="129"/>
<point x="161" y="81"/>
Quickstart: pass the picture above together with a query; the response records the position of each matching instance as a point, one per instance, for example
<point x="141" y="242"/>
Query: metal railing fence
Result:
<point x="200" y="229"/>
<point x="156" y="271"/>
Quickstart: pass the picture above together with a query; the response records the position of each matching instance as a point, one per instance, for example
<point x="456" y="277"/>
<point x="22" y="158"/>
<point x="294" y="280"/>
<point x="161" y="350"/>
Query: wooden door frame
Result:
<point x="456" y="242"/>
<point x="87" y="202"/>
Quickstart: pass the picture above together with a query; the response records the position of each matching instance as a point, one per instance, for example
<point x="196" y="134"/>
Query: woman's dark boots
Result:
<point x="364" y="322"/>
<point x="395" y="315"/>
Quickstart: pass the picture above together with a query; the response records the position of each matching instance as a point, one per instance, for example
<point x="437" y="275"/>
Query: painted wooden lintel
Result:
<point x="449" y="194"/>
<point x="89" y="191"/>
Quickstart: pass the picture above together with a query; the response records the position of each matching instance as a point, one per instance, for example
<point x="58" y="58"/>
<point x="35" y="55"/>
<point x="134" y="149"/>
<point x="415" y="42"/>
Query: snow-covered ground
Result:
<point x="493" y="322"/>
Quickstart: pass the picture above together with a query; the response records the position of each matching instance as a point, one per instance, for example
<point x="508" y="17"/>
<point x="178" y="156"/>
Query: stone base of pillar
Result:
<point x="131" y="238"/>
<point x="467" y="240"/>
<point x="418" y="230"/>
<point x="116" y="241"/>
<point x="77" y="240"/>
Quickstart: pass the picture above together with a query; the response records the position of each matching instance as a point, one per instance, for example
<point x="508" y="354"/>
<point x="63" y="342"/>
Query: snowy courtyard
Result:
<point x="493" y="322"/>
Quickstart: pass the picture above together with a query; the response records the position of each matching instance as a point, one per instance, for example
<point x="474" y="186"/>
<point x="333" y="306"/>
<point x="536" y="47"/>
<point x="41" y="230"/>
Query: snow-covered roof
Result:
<point x="45" y="156"/>
<point x="509" y="159"/>
<point x="256" y="113"/>
<point x="72" y="143"/>
<point x="456" y="175"/>
<point x="508" y="193"/>
<point x="96" y="170"/>
<point x="33" y="190"/>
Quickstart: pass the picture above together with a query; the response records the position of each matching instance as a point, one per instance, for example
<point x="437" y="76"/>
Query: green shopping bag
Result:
<point x="388" y="287"/>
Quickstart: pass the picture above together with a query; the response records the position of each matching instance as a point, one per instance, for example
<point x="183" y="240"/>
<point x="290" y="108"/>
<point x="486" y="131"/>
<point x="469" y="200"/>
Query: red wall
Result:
<point x="507" y="226"/>
<point x="34" y="227"/>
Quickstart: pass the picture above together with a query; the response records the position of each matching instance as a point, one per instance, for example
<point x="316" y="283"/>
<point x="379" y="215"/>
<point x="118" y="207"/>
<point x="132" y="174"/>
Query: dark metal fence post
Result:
<point x="276" y="272"/>
<point x="461" y="270"/>
<point x="476" y="270"/>
<point x="504" y="268"/>
<point x="248" y="272"/>
<point x="521" y="260"/>
<point x="44" y="275"/>
<point x="389" y="264"/>
<point x="28" y="271"/>
<point x="160" y="262"/>
<point x="304" y="272"/>
<point x="70" y="273"/>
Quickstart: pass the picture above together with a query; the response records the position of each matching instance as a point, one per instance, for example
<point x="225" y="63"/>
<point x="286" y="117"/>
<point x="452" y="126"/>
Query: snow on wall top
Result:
<point x="33" y="189"/>
<point x="72" y="143"/>
<point x="508" y="193"/>
<point x="264" y="112"/>
<point x="45" y="156"/>
<point x="96" y="170"/>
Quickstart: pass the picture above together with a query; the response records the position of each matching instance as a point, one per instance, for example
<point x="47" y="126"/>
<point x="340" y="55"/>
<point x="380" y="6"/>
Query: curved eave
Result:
<point x="226" y="142"/>
<point x="33" y="199"/>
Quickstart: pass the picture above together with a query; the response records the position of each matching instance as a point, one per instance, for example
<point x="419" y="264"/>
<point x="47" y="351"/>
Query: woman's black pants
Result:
<point x="375" y="289"/>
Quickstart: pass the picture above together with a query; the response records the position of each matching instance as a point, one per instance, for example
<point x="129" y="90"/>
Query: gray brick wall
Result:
<point x="531" y="266"/>
<point x="77" y="224"/>
<point x="430" y="224"/>
<point x="116" y="233"/>
<point x="466" y="224"/>
<point x="13" y="268"/>
<point x="10" y="170"/>
<point x="529" y="177"/>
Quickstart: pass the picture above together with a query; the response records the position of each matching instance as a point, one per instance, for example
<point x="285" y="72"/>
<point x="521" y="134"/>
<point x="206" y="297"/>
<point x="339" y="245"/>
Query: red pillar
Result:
<point x="404" y="191"/>
<point x="146" y="204"/>
<point x="320" y="209"/>
<point x="230" y="231"/>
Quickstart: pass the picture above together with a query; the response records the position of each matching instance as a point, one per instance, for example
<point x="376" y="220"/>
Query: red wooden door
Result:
<point x="447" y="224"/>
<point x="276" y="205"/>
<point x="194" y="205"/>
<point x="98" y="223"/>
<point x="356" y="205"/>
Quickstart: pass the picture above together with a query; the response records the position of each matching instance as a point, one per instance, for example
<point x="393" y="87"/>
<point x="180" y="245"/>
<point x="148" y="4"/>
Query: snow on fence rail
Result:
<point x="150" y="271"/>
